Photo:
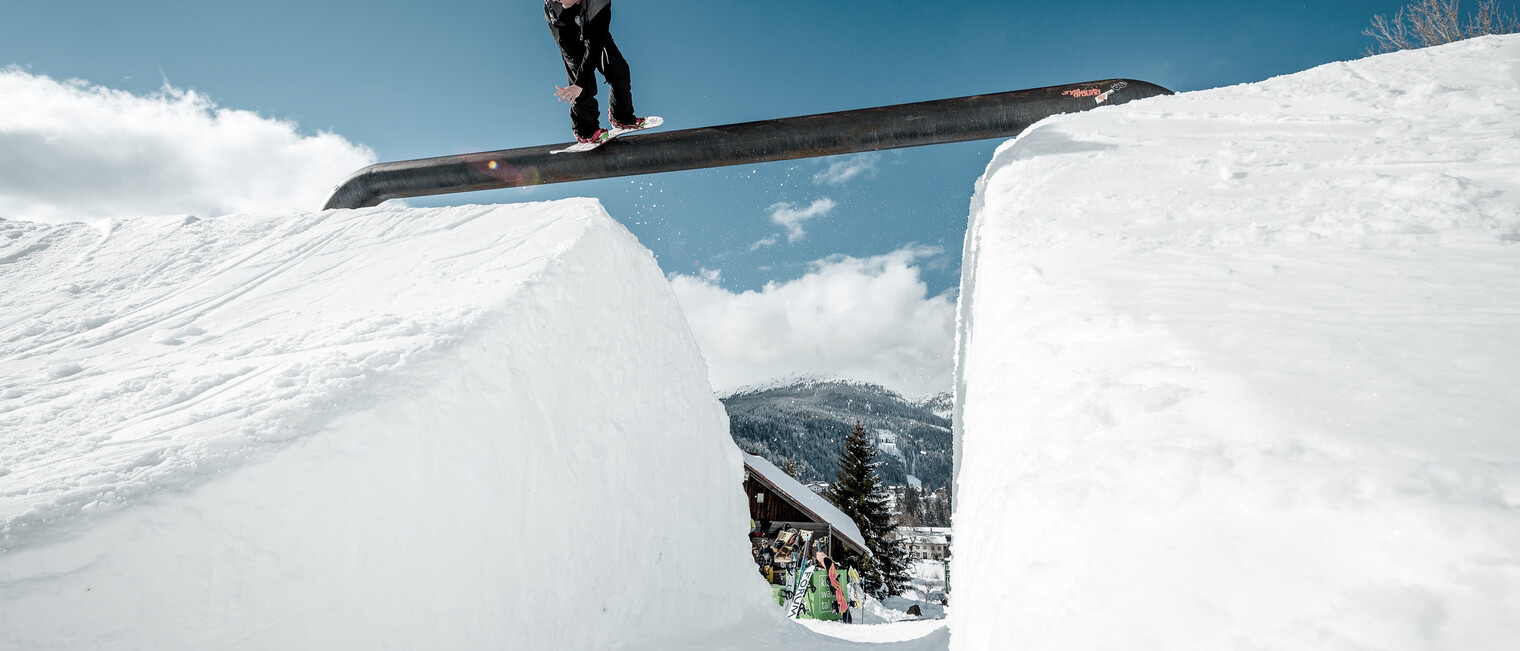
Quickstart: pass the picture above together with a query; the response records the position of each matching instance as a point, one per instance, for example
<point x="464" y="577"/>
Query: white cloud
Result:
<point x="760" y="244"/>
<point x="842" y="170"/>
<point x="791" y="217"/>
<point x="73" y="151"/>
<point x="858" y="318"/>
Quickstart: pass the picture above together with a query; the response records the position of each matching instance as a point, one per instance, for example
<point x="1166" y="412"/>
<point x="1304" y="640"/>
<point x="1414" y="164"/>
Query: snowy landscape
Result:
<point x="1236" y="368"/>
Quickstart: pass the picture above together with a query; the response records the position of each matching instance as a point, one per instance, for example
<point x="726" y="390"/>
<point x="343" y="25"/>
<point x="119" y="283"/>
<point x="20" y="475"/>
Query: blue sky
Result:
<point x="413" y="79"/>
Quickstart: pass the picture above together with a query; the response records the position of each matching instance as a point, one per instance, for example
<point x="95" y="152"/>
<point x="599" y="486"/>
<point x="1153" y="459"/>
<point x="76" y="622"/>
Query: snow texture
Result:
<point x="881" y="633"/>
<point x="1238" y="369"/>
<point x="386" y="428"/>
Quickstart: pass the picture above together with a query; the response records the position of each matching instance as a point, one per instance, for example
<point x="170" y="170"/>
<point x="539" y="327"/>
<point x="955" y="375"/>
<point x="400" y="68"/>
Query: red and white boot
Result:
<point x="601" y="136"/>
<point x="639" y="124"/>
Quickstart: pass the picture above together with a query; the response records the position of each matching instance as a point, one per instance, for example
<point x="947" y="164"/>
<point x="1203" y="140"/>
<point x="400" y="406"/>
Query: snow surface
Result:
<point x="926" y="589"/>
<point x="902" y="631"/>
<point x="1239" y="368"/>
<point x="459" y="428"/>
<point x="387" y="428"/>
<point x="154" y="353"/>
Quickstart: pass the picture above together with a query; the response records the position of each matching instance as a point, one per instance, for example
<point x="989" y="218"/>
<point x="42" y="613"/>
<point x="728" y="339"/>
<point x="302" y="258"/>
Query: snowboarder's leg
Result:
<point x="584" y="112"/>
<point x="614" y="68"/>
<point x="585" y="115"/>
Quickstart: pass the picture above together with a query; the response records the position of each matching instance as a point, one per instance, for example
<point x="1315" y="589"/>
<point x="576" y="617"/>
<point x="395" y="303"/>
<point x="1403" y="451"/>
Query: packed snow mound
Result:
<point x="386" y="428"/>
<point x="1239" y="368"/>
<point x="153" y="353"/>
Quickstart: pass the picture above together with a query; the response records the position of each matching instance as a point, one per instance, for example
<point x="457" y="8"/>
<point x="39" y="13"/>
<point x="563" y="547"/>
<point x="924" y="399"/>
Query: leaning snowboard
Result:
<point x="798" y="606"/>
<point x="650" y="122"/>
<point x="801" y="580"/>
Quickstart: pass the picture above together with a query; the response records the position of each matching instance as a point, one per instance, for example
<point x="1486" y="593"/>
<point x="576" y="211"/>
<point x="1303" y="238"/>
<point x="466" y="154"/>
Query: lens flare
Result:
<point x="504" y="172"/>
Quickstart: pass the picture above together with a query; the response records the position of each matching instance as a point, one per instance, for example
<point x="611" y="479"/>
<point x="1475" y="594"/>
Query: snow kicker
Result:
<point x="979" y="117"/>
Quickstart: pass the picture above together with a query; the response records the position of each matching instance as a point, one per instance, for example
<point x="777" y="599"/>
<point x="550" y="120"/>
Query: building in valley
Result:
<point x="777" y="501"/>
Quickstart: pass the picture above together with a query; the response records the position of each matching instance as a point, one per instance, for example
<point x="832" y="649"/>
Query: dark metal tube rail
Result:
<point x="979" y="117"/>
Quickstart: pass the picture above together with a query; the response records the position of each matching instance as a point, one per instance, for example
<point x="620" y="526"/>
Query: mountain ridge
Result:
<point x="805" y="418"/>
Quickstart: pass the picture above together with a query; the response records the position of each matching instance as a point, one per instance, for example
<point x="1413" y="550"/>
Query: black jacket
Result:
<point x="579" y="31"/>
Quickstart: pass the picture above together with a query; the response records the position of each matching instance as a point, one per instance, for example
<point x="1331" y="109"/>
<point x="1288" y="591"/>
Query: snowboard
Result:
<point x="855" y="591"/>
<point x="801" y="580"/>
<point x="799" y="596"/>
<point x="650" y="122"/>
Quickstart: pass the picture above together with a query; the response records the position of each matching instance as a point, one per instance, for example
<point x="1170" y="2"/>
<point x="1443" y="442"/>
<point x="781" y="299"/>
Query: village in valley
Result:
<point x="888" y="544"/>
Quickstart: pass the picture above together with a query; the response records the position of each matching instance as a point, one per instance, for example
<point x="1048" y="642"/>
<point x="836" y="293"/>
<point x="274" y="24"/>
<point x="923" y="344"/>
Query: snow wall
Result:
<point x="1239" y="369"/>
<point x="476" y="427"/>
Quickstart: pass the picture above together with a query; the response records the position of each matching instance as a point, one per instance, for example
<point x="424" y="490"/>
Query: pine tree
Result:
<point x="858" y="492"/>
<point x="937" y="507"/>
<point x="791" y="468"/>
<point x="911" y="513"/>
<point x="947" y="505"/>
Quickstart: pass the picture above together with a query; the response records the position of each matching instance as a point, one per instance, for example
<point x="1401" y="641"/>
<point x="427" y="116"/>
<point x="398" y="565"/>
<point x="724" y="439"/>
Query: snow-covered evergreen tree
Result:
<point x="911" y="508"/>
<point x="858" y="492"/>
<point x="792" y="469"/>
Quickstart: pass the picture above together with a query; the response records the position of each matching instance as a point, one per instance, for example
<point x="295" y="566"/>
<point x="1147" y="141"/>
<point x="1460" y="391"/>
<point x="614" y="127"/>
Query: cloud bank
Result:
<point x="70" y="150"/>
<point x="858" y="318"/>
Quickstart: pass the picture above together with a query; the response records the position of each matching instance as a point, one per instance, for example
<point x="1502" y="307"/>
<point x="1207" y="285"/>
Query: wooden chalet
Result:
<point x="777" y="500"/>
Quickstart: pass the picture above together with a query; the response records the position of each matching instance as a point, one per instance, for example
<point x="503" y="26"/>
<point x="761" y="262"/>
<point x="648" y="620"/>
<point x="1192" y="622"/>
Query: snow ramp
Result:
<point x="1238" y="369"/>
<point x="462" y="428"/>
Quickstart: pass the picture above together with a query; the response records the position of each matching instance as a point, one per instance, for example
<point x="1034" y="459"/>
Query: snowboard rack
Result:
<point x="979" y="117"/>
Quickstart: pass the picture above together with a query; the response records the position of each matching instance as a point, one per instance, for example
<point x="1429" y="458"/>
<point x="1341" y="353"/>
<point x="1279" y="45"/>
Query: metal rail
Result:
<point x="978" y="117"/>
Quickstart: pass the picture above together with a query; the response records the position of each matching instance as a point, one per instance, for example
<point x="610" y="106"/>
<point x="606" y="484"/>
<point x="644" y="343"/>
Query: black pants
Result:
<point x="585" y="114"/>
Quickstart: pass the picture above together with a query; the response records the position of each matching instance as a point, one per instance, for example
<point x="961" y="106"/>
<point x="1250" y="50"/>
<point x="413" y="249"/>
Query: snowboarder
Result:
<point x="582" y="28"/>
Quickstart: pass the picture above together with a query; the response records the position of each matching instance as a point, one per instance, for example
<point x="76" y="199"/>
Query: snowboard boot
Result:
<point x="599" y="137"/>
<point x="637" y="124"/>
